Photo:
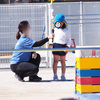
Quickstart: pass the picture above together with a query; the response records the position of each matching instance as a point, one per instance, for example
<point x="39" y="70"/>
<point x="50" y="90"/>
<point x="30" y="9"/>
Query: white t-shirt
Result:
<point x="62" y="36"/>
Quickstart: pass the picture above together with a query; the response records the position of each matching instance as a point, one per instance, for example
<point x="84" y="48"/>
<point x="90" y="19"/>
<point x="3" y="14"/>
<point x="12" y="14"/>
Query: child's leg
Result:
<point x="55" y="62"/>
<point x="63" y="64"/>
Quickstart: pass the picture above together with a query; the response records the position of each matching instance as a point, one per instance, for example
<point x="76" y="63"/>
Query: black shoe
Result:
<point x="21" y="79"/>
<point x="35" y="78"/>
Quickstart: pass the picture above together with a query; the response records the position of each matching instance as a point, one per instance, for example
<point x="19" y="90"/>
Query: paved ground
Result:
<point x="11" y="89"/>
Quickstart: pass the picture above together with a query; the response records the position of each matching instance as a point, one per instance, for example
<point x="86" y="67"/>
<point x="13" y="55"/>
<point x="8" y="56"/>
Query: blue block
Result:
<point x="76" y="92"/>
<point x="87" y="96"/>
<point x="88" y="73"/>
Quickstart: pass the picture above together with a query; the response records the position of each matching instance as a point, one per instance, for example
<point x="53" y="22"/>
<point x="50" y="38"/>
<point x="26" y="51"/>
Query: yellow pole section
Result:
<point x="51" y="1"/>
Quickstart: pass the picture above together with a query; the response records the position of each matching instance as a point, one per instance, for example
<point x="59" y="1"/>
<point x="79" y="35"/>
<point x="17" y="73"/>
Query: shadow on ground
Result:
<point x="68" y="99"/>
<point x="54" y="81"/>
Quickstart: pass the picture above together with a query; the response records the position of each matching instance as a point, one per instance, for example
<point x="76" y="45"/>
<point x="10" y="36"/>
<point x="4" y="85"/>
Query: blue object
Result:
<point x="76" y="92"/>
<point x="48" y="49"/>
<point x="43" y="33"/>
<point x="60" y="18"/>
<point x="63" y="78"/>
<point x="87" y="96"/>
<point x="22" y="43"/>
<point x="59" y="53"/>
<point x="55" y="78"/>
<point x="73" y="51"/>
<point x="88" y="73"/>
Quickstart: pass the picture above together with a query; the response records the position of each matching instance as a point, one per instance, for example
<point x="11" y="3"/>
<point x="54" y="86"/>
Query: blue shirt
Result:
<point x="22" y="43"/>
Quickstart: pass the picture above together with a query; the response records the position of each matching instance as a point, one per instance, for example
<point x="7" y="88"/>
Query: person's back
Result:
<point x="18" y="1"/>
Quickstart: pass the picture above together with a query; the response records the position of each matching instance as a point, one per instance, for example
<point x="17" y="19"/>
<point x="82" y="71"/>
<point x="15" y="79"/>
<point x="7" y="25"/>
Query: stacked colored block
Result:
<point x="87" y="71"/>
<point x="87" y="88"/>
<point x="87" y="81"/>
<point x="88" y="63"/>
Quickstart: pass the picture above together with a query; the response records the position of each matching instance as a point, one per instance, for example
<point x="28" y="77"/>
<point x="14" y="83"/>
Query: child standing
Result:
<point x="62" y="39"/>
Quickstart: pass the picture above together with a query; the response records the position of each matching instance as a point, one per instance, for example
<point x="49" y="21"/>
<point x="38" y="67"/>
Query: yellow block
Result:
<point x="88" y="63"/>
<point x="87" y="88"/>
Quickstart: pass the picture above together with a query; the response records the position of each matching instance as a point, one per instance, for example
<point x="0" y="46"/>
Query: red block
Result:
<point x="87" y="80"/>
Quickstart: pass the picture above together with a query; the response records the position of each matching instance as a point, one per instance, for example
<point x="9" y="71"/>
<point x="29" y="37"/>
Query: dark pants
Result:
<point x="25" y="69"/>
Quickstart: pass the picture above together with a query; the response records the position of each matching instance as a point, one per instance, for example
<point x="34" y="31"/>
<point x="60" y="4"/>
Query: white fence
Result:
<point x="11" y="16"/>
<point x="83" y="22"/>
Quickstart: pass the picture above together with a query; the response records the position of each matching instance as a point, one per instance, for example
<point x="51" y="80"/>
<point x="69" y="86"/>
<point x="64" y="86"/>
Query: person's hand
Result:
<point x="50" y="46"/>
<point x="34" y="55"/>
<point x="51" y="36"/>
<point x="65" y="50"/>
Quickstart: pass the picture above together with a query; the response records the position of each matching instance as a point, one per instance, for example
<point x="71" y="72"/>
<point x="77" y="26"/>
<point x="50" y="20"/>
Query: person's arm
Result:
<point x="51" y="41"/>
<point x="41" y="42"/>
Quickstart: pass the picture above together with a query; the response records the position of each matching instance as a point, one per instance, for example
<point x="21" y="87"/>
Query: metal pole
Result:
<point x="46" y="31"/>
<point x="9" y="1"/>
<point x="81" y="25"/>
<point x="50" y="31"/>
<point x="49" y="49"/>
<point x="50" y="28"/>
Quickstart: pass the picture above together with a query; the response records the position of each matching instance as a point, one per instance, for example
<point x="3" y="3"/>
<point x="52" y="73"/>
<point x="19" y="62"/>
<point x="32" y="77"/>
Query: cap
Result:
<point x="60" y="18"/>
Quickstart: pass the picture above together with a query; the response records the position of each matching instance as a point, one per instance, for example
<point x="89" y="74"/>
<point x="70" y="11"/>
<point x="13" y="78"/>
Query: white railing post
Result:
<point x="81" y="25"/>
<point x="9" y="1"/>
<point x="46" y="33"/>
<point x="50" y="30"/>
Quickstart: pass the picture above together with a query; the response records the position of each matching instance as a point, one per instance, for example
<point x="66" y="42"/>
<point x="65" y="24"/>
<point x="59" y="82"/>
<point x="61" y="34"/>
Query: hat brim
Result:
<point x="60" y="21"/>
<point x="56" y="21"/>
<point x="65" y="21"/>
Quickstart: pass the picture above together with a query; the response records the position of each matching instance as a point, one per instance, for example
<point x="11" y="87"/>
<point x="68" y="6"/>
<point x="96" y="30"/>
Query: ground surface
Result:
<point x="11" y="89"/>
